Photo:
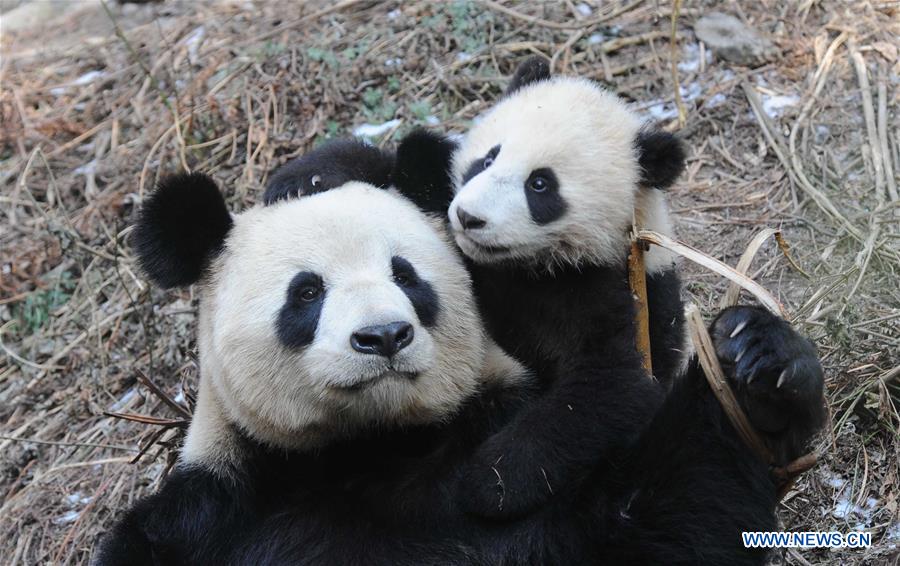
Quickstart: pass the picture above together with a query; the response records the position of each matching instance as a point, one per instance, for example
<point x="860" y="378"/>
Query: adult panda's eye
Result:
<point x="488" y="161"/>
<point x="538" y="184"/>
<point x="315" y="180"/>
<point x="310" y="293"/>
<point x="403" y="279"/>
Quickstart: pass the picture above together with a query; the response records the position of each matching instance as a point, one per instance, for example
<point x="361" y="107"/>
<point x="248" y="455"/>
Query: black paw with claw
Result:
<point x="775" y="374"/>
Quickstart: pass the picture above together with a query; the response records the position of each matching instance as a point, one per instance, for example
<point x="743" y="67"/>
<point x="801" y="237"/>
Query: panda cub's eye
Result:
<point x="403" y="279"/>
<point x="490" y="157"/>
<point x="310" y="293"/>
<point x="315" y="180"/>
<point x="538" y="184"/>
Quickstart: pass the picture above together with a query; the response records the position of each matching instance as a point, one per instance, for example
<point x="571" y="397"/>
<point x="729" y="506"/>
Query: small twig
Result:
<point x="67" y="444"/>
<point x="162" y="395"/>
<point x="315" y="15"/>
<point x="862" y="75"/>
<point x="732" y="293"/>
<point x="137" y="59"/>
<point x="673" y="63"/>
<point x="883" y="141"/>
<point x="145" y="419"/>
<point x="496" y="6"/>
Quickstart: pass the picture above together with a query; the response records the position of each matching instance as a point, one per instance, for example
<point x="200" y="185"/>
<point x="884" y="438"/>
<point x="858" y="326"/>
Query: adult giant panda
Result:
<point x="542" y="193"/>
<point x="345" y="381"/>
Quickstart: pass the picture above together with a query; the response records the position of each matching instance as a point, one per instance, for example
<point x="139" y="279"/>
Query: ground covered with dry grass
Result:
<point x="99" y="102"/>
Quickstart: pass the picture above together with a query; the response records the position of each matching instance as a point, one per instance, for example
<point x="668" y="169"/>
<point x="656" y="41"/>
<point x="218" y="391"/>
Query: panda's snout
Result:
<point x="469" y="221"/>
<point x="383" y="339"/>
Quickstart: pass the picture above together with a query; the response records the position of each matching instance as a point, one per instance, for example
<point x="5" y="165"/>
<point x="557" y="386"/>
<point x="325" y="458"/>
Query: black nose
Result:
<point x="468" y="221"/>
<point x="382" y="339"/>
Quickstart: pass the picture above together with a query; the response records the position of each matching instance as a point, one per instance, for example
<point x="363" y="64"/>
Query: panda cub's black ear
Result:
<point x="422" y="170"/>
<point x="661" y="158"/>
<point x="181" y="227"/>
<point x="532" y="70"/>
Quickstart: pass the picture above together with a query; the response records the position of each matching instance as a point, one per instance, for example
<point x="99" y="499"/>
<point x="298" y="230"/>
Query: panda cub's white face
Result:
<point x="335" y="312"/>
<point x="549" y="175"/>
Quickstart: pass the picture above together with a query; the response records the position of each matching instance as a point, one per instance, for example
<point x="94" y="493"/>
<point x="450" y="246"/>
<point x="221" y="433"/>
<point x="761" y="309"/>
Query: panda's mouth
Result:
<point x="486" y="249"/>
<point x="369" y="381"/>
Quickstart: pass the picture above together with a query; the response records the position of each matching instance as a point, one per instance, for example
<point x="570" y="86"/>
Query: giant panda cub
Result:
<point x="541" y="197"/>
<point x="345" y="382"/>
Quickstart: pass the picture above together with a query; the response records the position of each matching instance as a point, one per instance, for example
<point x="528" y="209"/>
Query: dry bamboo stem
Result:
<point x="637" y="278"/>
<point x="716" y="266"/>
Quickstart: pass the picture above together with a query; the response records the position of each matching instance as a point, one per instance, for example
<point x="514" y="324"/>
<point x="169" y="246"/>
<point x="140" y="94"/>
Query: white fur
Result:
<point x="297" y="398"/>
<point x="587" y="136"/>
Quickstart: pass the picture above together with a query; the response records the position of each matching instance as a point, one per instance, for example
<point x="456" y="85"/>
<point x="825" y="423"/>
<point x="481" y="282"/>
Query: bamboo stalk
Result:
<point x="637" y="279"/>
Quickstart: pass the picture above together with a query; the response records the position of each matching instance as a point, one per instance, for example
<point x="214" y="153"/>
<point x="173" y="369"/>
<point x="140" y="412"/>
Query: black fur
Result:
<point x="478" y="166"/>
<point x="329" y="166"/>
<point x="552" y="322"/>
<point x="661" y="158"/>
<point x="422" y="170"/>
<point x="666" y="313"/>
<point x="181" y="227"/>
<point x="299" y="316"/>
<point x="786" y="414"/>
<point x="585" y="315"/>
<point x="532" y="70"/>
<point x="392" y="497"/>
<point x="544" y="201"/>
<point x="419" y="292"/>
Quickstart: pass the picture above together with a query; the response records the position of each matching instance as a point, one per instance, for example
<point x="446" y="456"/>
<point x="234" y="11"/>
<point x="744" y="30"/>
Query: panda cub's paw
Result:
<point x="503" y="480"/>
<point x="775" y="374"/>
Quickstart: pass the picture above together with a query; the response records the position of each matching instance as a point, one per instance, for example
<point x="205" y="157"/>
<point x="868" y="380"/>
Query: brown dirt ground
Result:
<point x="93" y="113"/>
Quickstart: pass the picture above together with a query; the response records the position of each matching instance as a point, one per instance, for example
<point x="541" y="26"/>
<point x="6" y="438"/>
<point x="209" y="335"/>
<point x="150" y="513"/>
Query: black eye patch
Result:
<point x="420" y="293"/>
<point x="299" y="316"/>
<point x="542" y="192"/>
<point x="480" y="165"/>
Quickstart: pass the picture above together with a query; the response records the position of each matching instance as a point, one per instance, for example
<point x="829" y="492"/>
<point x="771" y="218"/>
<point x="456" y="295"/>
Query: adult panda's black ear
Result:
<point x="661" y="158"/>
<point x="180" y="228"/>
<point x="532" y="70"/>
<point x="422" y="170"/>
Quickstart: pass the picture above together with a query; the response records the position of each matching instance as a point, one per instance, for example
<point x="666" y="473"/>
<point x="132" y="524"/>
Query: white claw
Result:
<point x="737" y="329"/>
<point x="784" y="375"/>
<point x="740" y="355"/>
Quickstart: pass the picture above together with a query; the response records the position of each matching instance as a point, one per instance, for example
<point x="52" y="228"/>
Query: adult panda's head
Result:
<point x="556" y="172"/>
<point x="329" y="166"/>
<point x="319" y="317"/>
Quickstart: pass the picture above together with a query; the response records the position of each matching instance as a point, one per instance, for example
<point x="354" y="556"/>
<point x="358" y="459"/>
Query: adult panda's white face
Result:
<point x="551" y="175"/>
<point x="335" y="312"/>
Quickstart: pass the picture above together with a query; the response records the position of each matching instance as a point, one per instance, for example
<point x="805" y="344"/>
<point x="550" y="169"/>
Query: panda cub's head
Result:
<point x="556" y="172"/>
<point x="319" y="317"/>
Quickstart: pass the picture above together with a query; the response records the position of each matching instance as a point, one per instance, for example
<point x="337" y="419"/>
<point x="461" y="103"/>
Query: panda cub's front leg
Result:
<point x="775" y="374"/>
<point x="587" y="417"/>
